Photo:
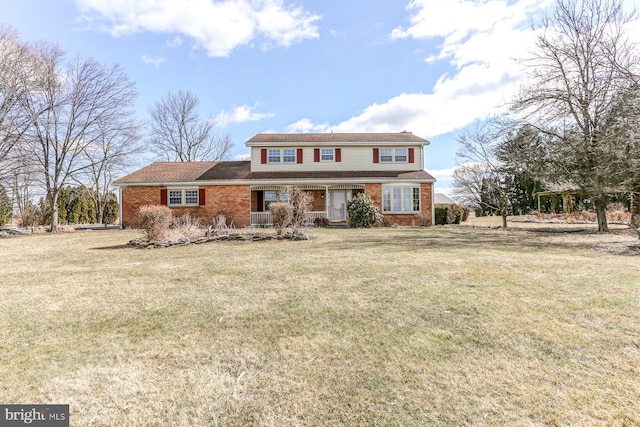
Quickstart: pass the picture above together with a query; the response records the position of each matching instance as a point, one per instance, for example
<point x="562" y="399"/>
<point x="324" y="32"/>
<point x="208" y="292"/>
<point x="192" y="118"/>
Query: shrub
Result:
<point x="6" y="207"/>
<point x="453" y="214"/>
<point x="185" y="226"/>
<point x="363" y="212"/>
<point x="464" y="213"/>
<point x="155" y="221"/>
<point x="301" y="202"/>
<point x="281" y="214"/>
<point x="441" y="214"/>
<point x="448" y="214"/>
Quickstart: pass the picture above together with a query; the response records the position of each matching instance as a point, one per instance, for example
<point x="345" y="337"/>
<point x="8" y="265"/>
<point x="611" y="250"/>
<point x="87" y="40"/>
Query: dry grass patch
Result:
<point x="436" y="326"/>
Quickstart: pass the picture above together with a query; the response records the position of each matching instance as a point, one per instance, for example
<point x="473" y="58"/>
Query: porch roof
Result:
<point x="164" y="172"/>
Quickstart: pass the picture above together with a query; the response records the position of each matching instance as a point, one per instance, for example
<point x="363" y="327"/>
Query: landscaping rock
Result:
<point x="227" y="237"/>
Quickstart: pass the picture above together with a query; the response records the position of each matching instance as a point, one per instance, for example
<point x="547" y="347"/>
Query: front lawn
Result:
<point x="438" y="326"/>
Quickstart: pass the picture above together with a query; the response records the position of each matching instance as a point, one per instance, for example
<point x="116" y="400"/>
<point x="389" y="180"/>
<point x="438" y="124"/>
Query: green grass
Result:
<point x="439" y="326"/>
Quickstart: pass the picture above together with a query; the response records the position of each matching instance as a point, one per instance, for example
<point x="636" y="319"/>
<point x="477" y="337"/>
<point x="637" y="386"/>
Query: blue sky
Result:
<point x="432" y="67"/>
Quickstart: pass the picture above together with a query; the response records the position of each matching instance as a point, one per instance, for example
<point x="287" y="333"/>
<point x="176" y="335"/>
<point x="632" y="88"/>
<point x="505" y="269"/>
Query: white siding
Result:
<point x="352" y="159"/>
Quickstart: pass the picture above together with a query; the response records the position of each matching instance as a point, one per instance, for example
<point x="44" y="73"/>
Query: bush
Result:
<point x="441" y="214"/>
<point x="186" y="226"/>
<point x="464" y="213"/>
<point x="301" y="201"/>
<point x="281" y="214"/>
<point x="448" y="214"/>
<point x="363" y="212"/>
<point x="155" y="221"/>
<point x="6" y="207"/>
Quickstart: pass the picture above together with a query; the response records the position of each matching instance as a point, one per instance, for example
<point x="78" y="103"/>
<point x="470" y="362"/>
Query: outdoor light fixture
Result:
<point x="322" y="195"/>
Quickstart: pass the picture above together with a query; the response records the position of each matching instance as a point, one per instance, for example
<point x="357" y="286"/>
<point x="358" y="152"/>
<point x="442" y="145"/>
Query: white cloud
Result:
<point x="156" y="62"/>
<point x="218" y="26"/>
<point x="480" y="41"/>
<point x="442" y="174"/>
<point x="241" y="114"/>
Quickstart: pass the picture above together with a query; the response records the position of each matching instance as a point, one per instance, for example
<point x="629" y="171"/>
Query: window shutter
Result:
<point x="260" y="200"/>
<point x="338" y="154"/>
<point x="299" y="156"/>
<point x="411" y="156"/>
<point x="263" y="156"/>
<point x="316" y="155"/>
<point x="376" y="155"/>
<point x="201" y="197"/>
<point x="163" y="197"/>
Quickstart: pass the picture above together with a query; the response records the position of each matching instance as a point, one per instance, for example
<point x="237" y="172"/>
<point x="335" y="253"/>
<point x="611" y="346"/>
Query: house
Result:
<point x="442" y="199"/>
<point x="334" y="167"/>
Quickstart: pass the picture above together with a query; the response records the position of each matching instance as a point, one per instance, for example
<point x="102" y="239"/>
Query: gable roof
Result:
<point x="332" y="138"/>
<point x="166" y="172"/>
<point x="442" y="199"/>
<point x="162" y="173"/>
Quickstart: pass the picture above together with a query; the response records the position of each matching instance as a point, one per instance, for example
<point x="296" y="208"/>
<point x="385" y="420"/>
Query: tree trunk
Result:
<point x="601" y="213"/>
<point x="53" y="201"/>
<point x="504" y="220"/>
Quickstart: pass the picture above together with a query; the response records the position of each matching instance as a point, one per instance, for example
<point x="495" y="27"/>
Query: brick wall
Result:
<point x="374" y="191"/>
<point x="233" y="201"/>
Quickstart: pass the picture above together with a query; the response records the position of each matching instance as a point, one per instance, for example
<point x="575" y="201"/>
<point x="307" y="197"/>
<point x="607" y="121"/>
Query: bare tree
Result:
<point x="177" y="133"/>
<point x="108" y="157"/>
<point x="481" y="179"/>
<point x="14" y="69"/>
<point x="69" y="109"/>
<point x="582" y="67"/>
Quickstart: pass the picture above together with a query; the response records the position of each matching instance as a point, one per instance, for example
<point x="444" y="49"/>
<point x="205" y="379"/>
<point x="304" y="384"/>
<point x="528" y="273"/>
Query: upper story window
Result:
<point x="289" y="155"/>
<point x="393" y="155"/>
<point x="281" y="155"/>
<point x="274" y="156"/>
<point x="183" y="197"/>
<point x="327" y="155"/>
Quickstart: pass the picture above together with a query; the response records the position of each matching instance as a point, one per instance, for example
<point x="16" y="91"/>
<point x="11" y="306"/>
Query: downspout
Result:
<point x="433" y="205"/>
<point x="120" y="207"/>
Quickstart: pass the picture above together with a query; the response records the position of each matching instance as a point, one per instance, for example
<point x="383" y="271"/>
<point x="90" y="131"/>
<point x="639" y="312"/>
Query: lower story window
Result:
<point x="274" y="196"/>
<point x="183" y="197"/>
<point x="400" y="199"/>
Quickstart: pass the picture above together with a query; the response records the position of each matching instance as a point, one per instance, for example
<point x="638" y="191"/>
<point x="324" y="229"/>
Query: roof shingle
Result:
<point x="317" y="138"/>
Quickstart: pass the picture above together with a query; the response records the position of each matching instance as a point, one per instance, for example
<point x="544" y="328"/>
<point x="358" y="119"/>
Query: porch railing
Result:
<point x="263" y="219"/>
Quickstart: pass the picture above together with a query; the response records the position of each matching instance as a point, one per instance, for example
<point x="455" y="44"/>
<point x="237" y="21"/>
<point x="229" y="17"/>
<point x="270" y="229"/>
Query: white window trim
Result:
<point x="333" y="155"/>
<point x="402" y="187"/>
<point x="183" y="196"/>
<point x="394" y="155"/>
<point x="269" y="155"/>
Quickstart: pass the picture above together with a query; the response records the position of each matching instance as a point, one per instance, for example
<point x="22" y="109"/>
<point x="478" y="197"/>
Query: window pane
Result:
<point x="274" y="156"/>
<point x="416" y="199"/>
<point x="191" y="197"/>
<point x="327" y="154"/>
<point x="289" y="156"/>
<point x="284" y="197"/>
<point x="397" y="199"/>
<point x="175" y="197"/>
<point x="386" y="155"/>
<point x="269" y="197"/>
<point x="401" y="154"/>
<point x="406" y="199"/>
<point x="386" y="199"/>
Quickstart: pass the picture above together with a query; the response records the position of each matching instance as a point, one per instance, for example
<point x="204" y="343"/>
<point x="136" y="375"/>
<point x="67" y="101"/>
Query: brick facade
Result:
<point x="232" y="201"/>
<point x="374" y="191"/>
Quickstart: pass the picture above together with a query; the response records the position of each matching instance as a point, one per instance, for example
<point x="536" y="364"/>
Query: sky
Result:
<point x="431" y="67"/>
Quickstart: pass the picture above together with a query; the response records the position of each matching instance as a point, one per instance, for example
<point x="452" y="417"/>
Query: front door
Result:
<point x="338" y="205"/>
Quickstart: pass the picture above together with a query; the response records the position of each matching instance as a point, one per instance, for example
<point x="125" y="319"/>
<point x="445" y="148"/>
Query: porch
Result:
<point x="329" y="202"/>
